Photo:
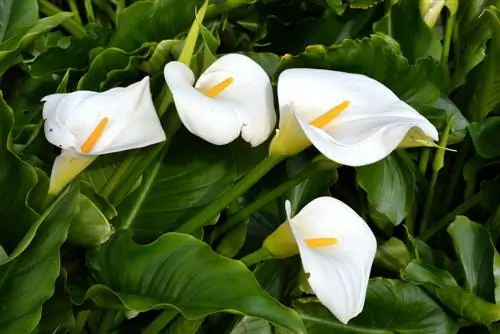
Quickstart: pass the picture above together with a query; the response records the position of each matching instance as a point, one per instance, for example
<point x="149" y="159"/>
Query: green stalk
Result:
<point x="161" y="321"/>
<point x="463" y="154"/>
<point x="424" y="160"/>
<point x="261" y="201"/>
<point x="74" y="9"/>
<point x="72" y="26"/>
<point x="437" y="165"/>
<point x="80" y="321"/>
<point x="441" y="223"/>
<point x="450" y="24"/>
<point x="107" y="320"/>
<point x="106" y="8"/>
<point x="211" y="211"/>
<point x="256" y="257"/>
<point x="89" y="9"/>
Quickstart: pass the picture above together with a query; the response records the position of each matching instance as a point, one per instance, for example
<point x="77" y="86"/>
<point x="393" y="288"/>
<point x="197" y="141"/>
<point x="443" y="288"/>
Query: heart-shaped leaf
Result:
<point x="179" y="271"/>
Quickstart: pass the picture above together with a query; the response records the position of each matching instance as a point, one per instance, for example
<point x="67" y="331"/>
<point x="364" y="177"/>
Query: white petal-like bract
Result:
<point x="245" y="107"/>
<point x="372" y="125"/>
<point x="338" y="273"/>
<point x="132" y="121"/>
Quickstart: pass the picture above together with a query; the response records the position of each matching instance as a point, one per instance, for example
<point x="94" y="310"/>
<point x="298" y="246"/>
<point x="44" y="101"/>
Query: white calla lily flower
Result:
<point x="350" y="118"/>
<point x="232" y="97"/>
<point x="337" y="249"/>
<point x="85" y="124"/>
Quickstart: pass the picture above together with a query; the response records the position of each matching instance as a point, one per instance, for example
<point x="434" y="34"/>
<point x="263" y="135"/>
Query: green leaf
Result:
<point x="112" y="66"/>
<point x="89" y="227"/>
<point x="390" y="186"/>
<point x="28" y="280"/>
<point x="391" y="306"/>
<point x="420" y="41"/>
<point x="251" y="325"/>
<point x="153" y="21"/>
<point x="393" y="255"/>
<point x="17" y="179"/>
<point x="15" y="15"/>
<point x="485" y="136"/>
<point x="472" y="242"/>
<point x="60" y="58"/>
<point x="486" y="81"/>
<point x="182" y="272"/>
<point x="184" y="326"/>
<point x="11" y="49"/>
<point x="378" y="57"/>
<point x="181" y="183"/>
<point x="443" y="286"/>
<point x="294" y="37"/>
<point x="232" y="241"/>
<point x="471" y="34"/>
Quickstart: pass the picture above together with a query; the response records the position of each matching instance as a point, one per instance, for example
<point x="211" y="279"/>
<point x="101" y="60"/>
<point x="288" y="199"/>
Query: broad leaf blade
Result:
<point x="28" y="280"/>
<point x="17" y="179"/>
<point x="392" y="306"/>
<point x="180" y="271"/>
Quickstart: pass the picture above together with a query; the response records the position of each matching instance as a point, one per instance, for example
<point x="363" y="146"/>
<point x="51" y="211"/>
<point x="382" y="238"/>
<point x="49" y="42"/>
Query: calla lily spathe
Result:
<point x="350" y="118"/>
<point x="337" y="249"/>
<point x="85" y="124"/>
<point x="232" y="97"/>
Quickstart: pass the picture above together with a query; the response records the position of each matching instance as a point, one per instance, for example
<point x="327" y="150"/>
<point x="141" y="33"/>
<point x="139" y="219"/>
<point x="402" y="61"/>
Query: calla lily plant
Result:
<point x="232" y="97"/>
<point x="337" y="249"/>
<point x="350" y="118"/>
<point x="86" y="124"/>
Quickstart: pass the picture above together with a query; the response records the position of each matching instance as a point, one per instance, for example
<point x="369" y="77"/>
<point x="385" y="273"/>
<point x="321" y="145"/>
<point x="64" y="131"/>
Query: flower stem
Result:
<point x="450" y="24"/>
<point x="80" y="321"/>
<point x="74" y="10"/>
<point x="107" y="320"/>
<point x="469" y="203"/>
<point x="258" y="256"/>
<point x="89" y="9"/>
<point x="70" y="24"/>
<point x="424" y="160"/>
<point x="437" y="165"/>
<point x="268" y="197"/>
<point x="463" y="154"/>
<point x="162" y="320"/>
<point x="107" y="9"/>
<point x="212" y="210"/>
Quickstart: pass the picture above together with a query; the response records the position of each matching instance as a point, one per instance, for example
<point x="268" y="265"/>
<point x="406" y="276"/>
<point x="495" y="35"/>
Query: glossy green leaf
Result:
<point x="470" y="37"/>
<point x="294" y="37"/>
<point x="75" y="55"/>
<point x="11" y="49"/>
<point x="180" y="271"/>
<point x="485" y="136"/>
<point x="390" y="187"/>
<point x="28" y="280"/>
<point x="232" y="241"/>
<point x="89" y="227"/>
<point x="15" y="15"/>
<point x="391" y="306"/>
<point x="443" y="286"/>
<point x="378" y="57"/>
<point x="486" y="90"/>
<point x="112" y="66"/>
<point x="182" y="183"/>
<point x="251" y="325"/>
<point x="420" y="42"/>
<point x="153" y="21"/>
<point x="472" y="242"/>
<point x="392" y="255"/>
<point x="17" y="179"/>
<point x="181" y="325"/>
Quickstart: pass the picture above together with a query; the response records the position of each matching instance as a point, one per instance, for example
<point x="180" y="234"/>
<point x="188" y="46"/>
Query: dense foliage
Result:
<point x="132" y="245"/>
